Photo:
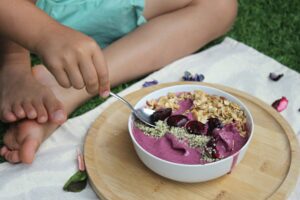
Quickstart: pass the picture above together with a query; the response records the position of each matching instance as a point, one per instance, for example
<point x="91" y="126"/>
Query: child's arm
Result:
<point x="73" y="58"/>
<point x="12" y="52"/>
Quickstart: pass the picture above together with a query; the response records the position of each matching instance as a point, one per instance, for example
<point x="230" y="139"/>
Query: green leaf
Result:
<point x="77" y="182"/>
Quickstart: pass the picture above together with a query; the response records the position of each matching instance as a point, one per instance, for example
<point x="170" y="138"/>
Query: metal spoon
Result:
<point x="142" y="114"/>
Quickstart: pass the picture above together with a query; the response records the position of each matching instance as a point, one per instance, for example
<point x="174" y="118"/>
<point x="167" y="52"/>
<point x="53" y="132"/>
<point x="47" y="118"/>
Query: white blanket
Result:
<point x="230" y="63"/>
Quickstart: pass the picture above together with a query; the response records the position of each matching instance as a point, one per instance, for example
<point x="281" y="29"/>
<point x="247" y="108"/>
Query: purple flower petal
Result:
<point x="150" y="83"/>
<point x="280" y="104"/>
<point x="275" y="77"/>
<point x="80" y="161"/>
<point x="189" y="77"/>
<point x="199" y="77"/>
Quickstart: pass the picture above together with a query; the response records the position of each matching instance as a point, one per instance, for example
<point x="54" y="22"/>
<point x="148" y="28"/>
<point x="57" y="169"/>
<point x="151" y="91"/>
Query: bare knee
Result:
<point x="154" y="8"/>
<point x="227" y="12"/>
<point x="224" y="12"/>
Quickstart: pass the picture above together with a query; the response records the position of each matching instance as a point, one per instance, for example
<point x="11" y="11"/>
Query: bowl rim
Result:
<point x="237" y="100"/>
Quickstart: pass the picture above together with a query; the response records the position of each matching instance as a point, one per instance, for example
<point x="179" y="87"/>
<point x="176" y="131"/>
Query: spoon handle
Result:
<point x="123" y="100"/>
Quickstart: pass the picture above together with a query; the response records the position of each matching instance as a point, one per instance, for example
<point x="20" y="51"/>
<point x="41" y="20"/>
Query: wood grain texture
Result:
<point x="269" y="169"/>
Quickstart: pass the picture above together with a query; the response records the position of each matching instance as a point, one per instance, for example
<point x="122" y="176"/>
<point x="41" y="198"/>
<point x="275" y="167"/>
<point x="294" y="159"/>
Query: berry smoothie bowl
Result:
<point x="200" y="133"/>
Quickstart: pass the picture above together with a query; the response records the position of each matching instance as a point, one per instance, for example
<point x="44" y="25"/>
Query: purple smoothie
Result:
<point x="227" y="141"/>
<point x="168" y="147"/>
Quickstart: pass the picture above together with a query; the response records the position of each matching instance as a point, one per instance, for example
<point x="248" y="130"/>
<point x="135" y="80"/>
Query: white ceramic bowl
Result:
<point x="185" y="172"/>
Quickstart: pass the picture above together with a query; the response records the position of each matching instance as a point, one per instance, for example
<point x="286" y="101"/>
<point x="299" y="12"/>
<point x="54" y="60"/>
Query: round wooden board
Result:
<point x="269" y="169"/>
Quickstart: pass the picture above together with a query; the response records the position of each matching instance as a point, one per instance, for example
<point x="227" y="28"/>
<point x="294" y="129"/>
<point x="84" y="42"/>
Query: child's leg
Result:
<point x="172" y="32"/>
<point x="167" y="37"/>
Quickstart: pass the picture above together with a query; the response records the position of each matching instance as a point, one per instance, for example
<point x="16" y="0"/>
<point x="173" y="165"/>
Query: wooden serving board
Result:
<point x="269" y="169"/>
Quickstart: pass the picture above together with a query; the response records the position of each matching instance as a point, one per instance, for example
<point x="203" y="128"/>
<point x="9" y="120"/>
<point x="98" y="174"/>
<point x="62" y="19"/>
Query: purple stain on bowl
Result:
<point x="275" y="77"/>
<point x="150" y="83"/>
<point x="280" y="104"/>
<point x="189" y="77"/>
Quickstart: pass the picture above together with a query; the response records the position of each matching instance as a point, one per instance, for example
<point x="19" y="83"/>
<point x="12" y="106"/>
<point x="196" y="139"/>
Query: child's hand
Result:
<point x="75" y="60"/>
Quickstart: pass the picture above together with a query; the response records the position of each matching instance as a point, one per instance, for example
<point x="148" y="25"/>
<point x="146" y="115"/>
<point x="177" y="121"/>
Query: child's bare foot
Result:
<point x="22" y="96"/>
<point x="23" y="139"/>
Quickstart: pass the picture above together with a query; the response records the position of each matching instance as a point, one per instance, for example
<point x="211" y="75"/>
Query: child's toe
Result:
<point x="12" y="156"/>
<point x="42" y="115"/>
<point x="29" y="110"/>
<point x="10" y="139"/>
<point x="3" y="150"/>
<point x="8" y="116"/>
<point x="28" y="150"/>
<point x="56" y="111"/>
<point x="18" y="111"/>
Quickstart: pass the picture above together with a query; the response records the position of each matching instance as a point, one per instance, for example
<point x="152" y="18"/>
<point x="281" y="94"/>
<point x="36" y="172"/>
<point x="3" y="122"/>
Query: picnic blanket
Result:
<point x="230" y="63"/>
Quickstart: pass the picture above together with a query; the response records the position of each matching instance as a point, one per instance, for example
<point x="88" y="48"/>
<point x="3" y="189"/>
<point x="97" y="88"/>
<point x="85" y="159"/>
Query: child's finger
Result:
<point x="89" y="74"/>
<point x="75" y="77"/>
<point x="102" y="71"/>
<point x="61" y="77"/>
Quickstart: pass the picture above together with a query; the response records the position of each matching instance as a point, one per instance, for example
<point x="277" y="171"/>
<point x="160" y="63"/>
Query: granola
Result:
<point x="205" y="106"/>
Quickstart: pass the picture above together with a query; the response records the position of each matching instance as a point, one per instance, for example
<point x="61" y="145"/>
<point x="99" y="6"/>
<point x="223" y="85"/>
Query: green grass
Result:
<point x="271" y="27"/>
